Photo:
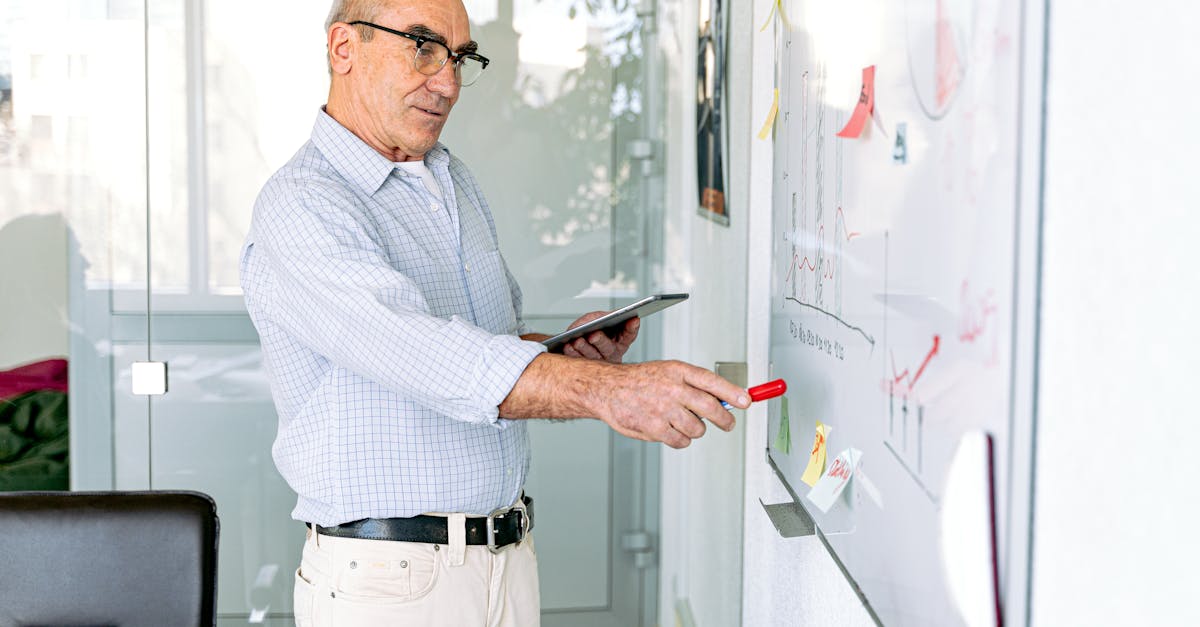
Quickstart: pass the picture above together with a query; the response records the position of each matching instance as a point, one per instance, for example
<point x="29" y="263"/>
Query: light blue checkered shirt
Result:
<point x="389" y="327"/>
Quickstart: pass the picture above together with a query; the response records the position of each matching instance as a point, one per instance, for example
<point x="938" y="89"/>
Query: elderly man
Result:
<point x="400" y="368"/>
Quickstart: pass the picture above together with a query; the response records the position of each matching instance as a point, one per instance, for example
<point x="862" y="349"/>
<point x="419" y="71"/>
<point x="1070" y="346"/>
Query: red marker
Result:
<point x="770" y="389"/>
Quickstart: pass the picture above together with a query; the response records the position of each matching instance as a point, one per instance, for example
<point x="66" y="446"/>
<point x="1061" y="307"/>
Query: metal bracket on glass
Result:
<point x="641" y="545"/>
<point x="790" y="520"/>
<point x="149" y="378"/>
<point x="732" y="371"/>
<point x="643" y="150"/>
<point x="645" y="10"/>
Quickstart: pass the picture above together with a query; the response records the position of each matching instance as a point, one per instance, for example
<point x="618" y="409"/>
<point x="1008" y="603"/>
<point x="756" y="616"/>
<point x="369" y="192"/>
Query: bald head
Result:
<point x="351" y="10"/>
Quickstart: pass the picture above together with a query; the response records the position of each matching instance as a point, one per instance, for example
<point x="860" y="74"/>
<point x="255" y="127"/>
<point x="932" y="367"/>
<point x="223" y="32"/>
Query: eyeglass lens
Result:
<point x="431" y="56"/>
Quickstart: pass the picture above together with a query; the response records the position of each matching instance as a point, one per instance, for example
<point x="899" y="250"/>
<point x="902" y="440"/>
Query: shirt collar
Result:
<point x="358" y="162"/>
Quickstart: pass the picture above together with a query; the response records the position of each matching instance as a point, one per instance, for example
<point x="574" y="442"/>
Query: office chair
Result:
<point x="123" y="559"/>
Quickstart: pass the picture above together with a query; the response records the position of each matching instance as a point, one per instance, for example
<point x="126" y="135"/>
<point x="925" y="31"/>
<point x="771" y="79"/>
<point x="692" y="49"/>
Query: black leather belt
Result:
<point x="500" y="529"/>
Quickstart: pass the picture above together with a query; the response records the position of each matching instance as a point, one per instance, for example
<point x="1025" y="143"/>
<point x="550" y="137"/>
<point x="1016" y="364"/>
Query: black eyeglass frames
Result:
<point x="430" y="56"/>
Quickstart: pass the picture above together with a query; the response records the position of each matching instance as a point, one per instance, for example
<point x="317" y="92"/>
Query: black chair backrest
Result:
<point x="108" y="558"/>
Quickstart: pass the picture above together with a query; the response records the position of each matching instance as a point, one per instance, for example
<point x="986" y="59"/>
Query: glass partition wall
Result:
<point x="134" y="136"/>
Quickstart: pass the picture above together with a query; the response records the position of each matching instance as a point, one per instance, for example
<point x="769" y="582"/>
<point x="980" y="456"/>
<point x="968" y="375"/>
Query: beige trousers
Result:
<point x="346" y="582"/>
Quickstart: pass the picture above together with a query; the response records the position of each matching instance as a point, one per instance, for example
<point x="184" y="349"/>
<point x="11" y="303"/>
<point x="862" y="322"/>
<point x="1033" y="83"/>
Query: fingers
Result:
<point x="702" y="394"/>
<point x="628" y="334"/>
<point x="666" y="401"/>
<point x="688" y="424"/>
<point x="716" y="386"/>
<point x="708" y="407"/>
<point x="652" y="430"/>
<point x="598" y="345"/>
<point x="605" y="346"/>
<point x="682" y="418"/>
<point x="587" y="317"/>
<point x="584" y="347"/>
<point x="675" y="439"/>
<point x="614" y="349"/>
<point x="675" y="428"/>
<point x="679" y="430"/>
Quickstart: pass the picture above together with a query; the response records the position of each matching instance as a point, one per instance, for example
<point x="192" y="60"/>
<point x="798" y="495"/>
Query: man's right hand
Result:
<point x="664" y="401"/>
<point x="658" y="401"/>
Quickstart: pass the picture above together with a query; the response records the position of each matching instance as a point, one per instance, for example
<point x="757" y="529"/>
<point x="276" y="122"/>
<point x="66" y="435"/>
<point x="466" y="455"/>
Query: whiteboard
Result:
<point x="892" y="279"/>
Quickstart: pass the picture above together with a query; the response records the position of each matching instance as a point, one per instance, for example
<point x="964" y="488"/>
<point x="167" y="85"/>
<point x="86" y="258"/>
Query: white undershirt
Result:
<point x="418" y="168"/>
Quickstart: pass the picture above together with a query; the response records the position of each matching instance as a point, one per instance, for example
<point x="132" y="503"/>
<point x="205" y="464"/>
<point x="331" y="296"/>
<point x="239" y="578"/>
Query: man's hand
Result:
<point x="656" y="401"/>
<point x="665" y="401"/>
<point x="598" y="345"/>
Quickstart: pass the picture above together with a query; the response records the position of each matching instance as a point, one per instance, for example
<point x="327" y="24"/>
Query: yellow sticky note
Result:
<point x="816" y="458"/>
<point x="766" y="129"/>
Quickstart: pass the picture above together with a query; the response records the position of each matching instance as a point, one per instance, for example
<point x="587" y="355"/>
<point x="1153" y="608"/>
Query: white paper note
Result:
<point x="830" y="487"/>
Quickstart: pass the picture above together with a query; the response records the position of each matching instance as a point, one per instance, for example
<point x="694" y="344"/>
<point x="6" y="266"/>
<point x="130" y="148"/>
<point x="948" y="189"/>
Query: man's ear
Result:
<point x="342" y="45"/>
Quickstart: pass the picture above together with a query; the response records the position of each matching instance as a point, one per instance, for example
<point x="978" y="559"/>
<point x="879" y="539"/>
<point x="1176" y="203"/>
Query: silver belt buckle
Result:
<point x="491" y="525"/>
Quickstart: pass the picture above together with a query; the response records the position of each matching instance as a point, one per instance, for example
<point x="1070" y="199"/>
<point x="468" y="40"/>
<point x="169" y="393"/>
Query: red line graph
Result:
<point x="976" y="313"/>
<point x="902" y="383"/>
<point x="978" y="320"/>
<point x="808" y="265"/>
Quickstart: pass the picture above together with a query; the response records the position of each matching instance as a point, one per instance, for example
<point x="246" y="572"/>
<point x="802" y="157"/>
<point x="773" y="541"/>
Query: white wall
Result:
<point x="701" y="549"/>
<point x="1116" y="504"/>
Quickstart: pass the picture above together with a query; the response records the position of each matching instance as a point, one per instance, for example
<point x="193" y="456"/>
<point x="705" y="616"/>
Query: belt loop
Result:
<point x="457" y="525"/>
<point x="310" y="536"/>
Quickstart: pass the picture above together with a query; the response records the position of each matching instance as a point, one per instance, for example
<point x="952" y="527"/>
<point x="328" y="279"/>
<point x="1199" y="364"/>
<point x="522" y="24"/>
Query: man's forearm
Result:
<point x="660" y="401"/>
<point x="555" y="386"/>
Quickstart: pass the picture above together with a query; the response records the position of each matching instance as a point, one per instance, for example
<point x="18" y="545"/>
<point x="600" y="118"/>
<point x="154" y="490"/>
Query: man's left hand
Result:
<point x="598" y="345"/>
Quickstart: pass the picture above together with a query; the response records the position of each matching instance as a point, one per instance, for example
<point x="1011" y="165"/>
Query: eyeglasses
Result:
<point x="431" y="56"/>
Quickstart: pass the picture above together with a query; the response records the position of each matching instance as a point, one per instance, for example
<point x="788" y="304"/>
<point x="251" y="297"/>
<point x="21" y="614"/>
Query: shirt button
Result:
<point x="434" y="207"/>
<point x="467" y="267"/>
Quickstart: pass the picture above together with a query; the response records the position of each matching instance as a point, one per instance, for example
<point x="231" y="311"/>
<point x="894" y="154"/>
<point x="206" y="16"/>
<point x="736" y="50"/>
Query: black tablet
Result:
<point x="612" y="321"/>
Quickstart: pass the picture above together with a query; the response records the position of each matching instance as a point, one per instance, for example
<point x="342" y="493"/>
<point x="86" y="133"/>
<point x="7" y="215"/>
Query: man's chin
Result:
<point x="427" y="144"/>
<point x="428" y="133"/>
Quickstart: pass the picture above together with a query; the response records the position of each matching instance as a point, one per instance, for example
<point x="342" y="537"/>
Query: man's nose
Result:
<point x="444" y="82"/>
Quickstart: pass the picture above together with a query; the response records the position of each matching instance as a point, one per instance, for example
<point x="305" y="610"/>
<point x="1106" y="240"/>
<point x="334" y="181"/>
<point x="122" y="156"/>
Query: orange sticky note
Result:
<point x="816" y="458"/>
<point x="771" y="115"/>
<point x="864" y="108"/>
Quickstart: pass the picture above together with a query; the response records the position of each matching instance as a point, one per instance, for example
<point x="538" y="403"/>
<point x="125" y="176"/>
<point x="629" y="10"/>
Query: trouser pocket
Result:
<point x="405" y="572"/>
<point x="303" y="596"/>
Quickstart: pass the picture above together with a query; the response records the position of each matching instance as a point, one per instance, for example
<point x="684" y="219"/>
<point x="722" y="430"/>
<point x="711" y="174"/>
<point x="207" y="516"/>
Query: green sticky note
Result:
<point x="783" y="440"/>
